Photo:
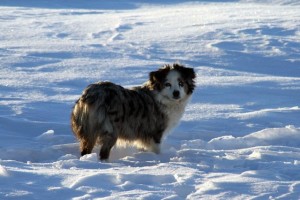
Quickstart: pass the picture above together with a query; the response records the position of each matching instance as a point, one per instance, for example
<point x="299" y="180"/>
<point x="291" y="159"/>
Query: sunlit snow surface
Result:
<point x="239" y="137"/>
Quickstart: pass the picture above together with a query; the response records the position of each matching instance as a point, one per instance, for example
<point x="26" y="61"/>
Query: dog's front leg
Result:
<point x="107" y="143"/>
<point x="154" y="147"/>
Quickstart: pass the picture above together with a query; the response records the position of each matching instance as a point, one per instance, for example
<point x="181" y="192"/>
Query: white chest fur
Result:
<point x="174" y="113"/>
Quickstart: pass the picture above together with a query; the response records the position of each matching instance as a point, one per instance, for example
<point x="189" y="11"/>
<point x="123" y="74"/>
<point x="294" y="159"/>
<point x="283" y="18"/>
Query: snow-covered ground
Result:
<point x="239" y="137"/>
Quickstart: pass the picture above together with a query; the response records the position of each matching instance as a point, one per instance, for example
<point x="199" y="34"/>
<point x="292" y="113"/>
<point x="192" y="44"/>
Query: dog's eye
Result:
<point x="181" y="83"/>
<point x="168" y="84"/>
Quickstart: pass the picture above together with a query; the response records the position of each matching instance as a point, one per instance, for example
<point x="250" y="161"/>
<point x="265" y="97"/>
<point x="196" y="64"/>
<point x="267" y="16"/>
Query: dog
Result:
<point x="141" y="115"/>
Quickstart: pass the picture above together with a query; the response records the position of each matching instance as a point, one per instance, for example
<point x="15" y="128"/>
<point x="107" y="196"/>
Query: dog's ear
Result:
<point x="191" y="75"/>
<point x="156" y="76"/>
<point x="188" y="74"/>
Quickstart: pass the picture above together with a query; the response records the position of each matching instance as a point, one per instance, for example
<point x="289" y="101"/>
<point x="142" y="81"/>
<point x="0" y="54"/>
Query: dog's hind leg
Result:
<point x="87" y="145"/>
<point x="108" y="141"/>
<point x="155" y="142"/>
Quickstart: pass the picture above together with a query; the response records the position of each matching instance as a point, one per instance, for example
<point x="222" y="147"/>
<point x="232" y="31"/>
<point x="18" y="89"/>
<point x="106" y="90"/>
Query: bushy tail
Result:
<point x="80" y="119"/>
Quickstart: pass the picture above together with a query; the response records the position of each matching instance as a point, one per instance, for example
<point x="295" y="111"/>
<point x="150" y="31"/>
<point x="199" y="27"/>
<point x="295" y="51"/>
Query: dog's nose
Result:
<point x="176" y="94"/>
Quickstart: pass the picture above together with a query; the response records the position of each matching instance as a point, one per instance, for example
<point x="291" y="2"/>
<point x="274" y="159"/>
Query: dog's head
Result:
<point x="173" y="82"/>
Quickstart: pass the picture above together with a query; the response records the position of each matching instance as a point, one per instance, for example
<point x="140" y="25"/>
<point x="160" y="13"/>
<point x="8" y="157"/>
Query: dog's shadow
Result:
<point x="130" y="156"/>
<point x="118" y="153"/>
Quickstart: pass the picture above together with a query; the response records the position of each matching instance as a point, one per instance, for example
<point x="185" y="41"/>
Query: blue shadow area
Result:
<point x="94" y="4"/>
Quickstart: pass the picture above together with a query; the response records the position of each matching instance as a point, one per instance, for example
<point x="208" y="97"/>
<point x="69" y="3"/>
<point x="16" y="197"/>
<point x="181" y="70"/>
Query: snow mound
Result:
<point x="287" y="136"/>
<point x="46" y="136"/>
<point x="3" y="171"/>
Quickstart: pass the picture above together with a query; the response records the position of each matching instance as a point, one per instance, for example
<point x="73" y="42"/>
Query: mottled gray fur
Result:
<point x="107" y="112"/>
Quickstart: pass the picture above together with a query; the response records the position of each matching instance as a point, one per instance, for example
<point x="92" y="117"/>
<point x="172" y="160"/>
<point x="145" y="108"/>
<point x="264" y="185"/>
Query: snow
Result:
<point x="238" y="139"/>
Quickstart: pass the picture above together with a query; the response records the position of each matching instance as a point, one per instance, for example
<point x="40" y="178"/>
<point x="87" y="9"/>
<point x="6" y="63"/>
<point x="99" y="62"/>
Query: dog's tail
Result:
<point x="80" y="119"/>
<point x="89" y="116"/>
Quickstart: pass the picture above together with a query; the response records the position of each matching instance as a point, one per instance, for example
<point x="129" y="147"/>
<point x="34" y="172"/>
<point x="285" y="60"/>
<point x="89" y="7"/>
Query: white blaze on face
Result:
<point x="174" y="86"/>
